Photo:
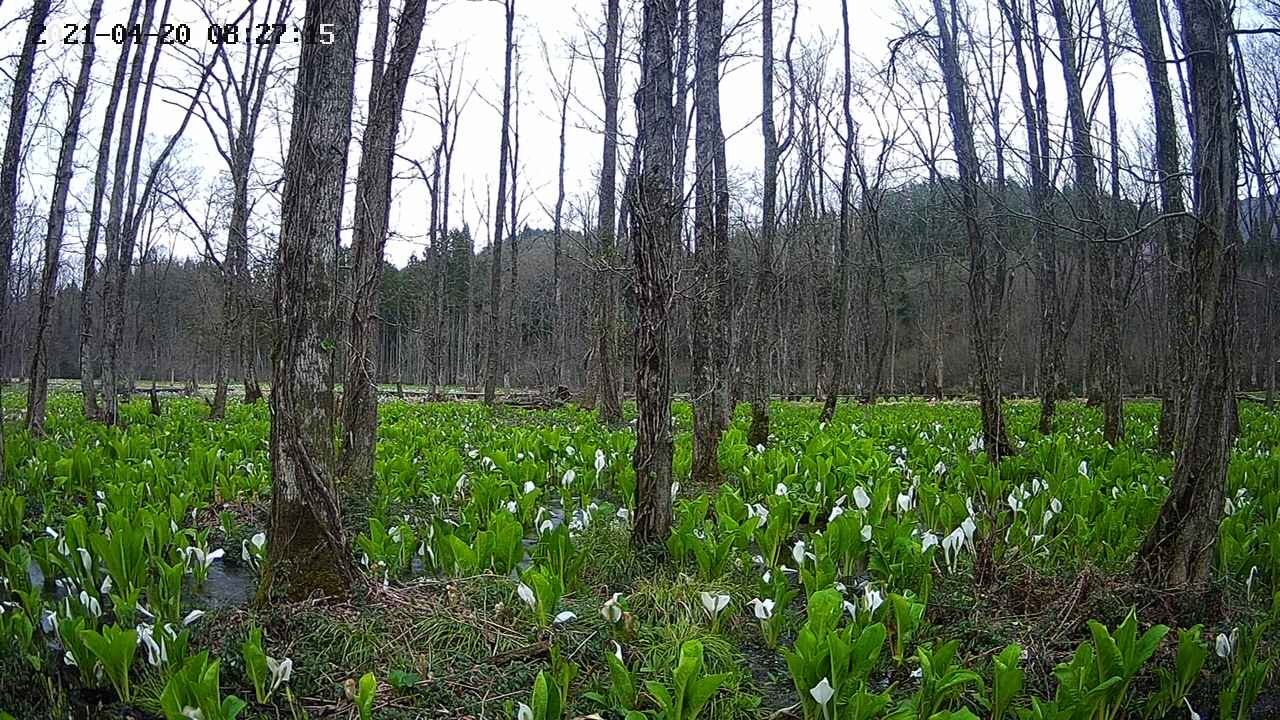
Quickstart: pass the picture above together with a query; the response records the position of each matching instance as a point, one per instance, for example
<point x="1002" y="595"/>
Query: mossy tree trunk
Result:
<point x="1179" y="550"/>
<point x="307" y="552"/>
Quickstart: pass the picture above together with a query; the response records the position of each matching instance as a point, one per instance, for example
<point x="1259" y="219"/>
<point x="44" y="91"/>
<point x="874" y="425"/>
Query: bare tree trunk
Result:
<point x="38" y="385"/>
<point x="1261" y="225"/>
<point x="1269" y="329"/>
<point x="307" y="553"/>
<point x="709" y="334"/>
<point x="1042" y="234"/>
<point x="369" y="239"/>
<point x="1180" y="548"/>
<point x="875" y="283"/>
<point x="981" y="286"/>
<point x="511" y="330"/>
<point x="1102" y="262"/>
<point x="651" y="236"/>
<point x="560" y="336"/>
<point x="88" y="391"/>
<point x="758" y="345"/>
<point x="113" y="274"/>
<point x="841" y="295"/>
<point x="493" y="339"/>
<point x="254" y="81"/>
<point x="10" y="166"/>
<point x="606" y="366"/>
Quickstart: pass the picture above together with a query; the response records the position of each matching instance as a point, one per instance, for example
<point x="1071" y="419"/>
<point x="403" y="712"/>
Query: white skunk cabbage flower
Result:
<point x="714" y="604"/>
<point x="611" y="611"/>
<point x="1225" y="645"/>
<point x="281" y="671"/>
<point x="872" y="599"/>
<point x="526" y="594"/>
<point x="763" y="609"/>
<point x="861" y="499"/>
<point x="822" y="692"/>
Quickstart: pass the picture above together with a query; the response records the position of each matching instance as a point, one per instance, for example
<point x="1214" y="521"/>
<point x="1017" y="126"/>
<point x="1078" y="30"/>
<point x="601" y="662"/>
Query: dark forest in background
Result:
<point x="432" y="322"/>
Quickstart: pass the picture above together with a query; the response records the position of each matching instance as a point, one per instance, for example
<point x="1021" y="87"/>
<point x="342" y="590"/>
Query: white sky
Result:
<point x="474" y="29"/>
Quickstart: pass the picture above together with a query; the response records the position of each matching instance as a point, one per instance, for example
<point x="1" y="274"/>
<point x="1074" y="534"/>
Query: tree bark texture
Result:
<point x="307" y="552"/>
<point x="840" y="296"/>
<point x="1179" y="550"/>
<point x="652" y="216"/>
<point x="710" y="331"/>
<point x="373" y="205"/>
<point x="88" y="352"/>
<point x="764" y="277"/>
<point x="113" y="274"/>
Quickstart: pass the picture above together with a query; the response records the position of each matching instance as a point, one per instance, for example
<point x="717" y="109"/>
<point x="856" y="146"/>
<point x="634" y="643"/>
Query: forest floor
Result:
<point x="483" y="528"/>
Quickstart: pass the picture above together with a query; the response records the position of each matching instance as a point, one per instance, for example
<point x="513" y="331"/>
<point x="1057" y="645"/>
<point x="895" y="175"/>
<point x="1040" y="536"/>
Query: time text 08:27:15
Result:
<point x="186" y="34"/>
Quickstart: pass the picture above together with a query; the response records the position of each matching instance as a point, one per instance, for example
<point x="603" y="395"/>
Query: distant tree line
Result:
<point x="432" y="324"/>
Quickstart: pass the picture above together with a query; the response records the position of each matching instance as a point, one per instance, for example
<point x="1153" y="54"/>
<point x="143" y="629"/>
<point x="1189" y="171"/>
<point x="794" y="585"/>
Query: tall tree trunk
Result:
<point x="607" y="388"/>
<point x="255" y="80"/>
<point x="709" y="334"/>
<point x="1042" y="234"/>
<point x="1180" y="548"/>
<point x="117" y="221"/>
<point x="38" y="385"/>
<point x="764" y="279"/>
<point x="9" y="168"/>
<point x="1261" y="225"/>
<point x="876" y="331"/>
<point x="651" y="237"/>
<point x="369" y="239"/>
<point x="1102" y="261"/>
<point x="88" y="392"/>
<point x="560" y="334"/>
<point x="836" y="344"/>
<point x="511" y="329"/>
<point x="307" y="552"/>
<point x="981" y="286"/>
<point x="494" y="334"/>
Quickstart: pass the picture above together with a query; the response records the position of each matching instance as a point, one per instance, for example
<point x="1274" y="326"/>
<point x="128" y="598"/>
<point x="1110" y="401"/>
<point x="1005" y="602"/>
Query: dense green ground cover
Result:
<point x="831" y="576"/>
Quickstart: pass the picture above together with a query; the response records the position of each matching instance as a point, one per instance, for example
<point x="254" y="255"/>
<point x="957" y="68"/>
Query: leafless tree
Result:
<point x="38" y="385"/>
<point x="607" y="386"/>
<point x="1180" y="548"/>
<point x="654" y="211"/>
<point x="307" y="551"/>
<point x="373" y="205"/>
<point x="711" y="236"/>
<point x="494" y="334"/>
<point x="9" y="168"/>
